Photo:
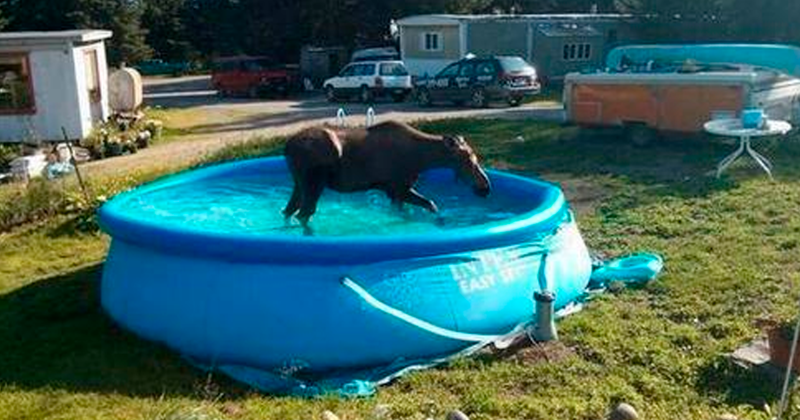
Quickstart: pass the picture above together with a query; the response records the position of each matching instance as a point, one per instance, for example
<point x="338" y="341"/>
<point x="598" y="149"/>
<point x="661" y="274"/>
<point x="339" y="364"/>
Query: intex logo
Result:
<point x="486" y="273"/>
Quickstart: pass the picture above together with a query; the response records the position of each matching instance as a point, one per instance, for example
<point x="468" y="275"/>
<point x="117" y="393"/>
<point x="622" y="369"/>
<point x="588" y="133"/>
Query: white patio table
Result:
<point x="732" y="127"/>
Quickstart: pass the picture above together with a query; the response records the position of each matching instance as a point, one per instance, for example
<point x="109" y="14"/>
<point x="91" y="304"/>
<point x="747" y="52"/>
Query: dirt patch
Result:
<point x="583" y="194"/>
<point x="527" y="352"/>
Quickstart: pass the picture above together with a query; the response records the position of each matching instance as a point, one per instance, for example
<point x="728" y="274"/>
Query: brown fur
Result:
<point x="388" y="156"/>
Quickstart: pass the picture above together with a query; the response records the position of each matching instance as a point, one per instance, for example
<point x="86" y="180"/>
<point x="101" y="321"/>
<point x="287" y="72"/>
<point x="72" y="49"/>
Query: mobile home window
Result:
<point x="574" y="52"/>
<point x="432" y="41"/>
<point x="16" y="88"/>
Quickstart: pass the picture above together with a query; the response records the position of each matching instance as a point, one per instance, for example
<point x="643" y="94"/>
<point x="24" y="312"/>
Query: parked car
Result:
<point x="370" y="79"/>
<point x="254" y="76"/>
<point x="160" y="67"/>
<point x="480" y="80"/>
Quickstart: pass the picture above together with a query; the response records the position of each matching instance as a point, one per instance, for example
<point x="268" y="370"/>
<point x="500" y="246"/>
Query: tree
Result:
<point x="167" y="34"/>
<point x="120" y="16"/>
<point x="678" y="20"/>
<point x="765" y="20"/>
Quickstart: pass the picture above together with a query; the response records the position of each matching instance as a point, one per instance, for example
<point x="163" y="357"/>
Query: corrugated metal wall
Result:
<point x="498" y="37"/>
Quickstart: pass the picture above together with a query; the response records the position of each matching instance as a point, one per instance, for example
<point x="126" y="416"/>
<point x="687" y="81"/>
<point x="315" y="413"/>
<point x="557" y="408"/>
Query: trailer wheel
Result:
<point x="640" y="134"/>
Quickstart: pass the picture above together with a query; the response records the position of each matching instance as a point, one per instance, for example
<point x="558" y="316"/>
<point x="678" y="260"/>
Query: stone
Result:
<point x="457" y="415"/>
<point x="623" y="411"/>
<point x="381" y="411"/>
<point x="328" y="415"/>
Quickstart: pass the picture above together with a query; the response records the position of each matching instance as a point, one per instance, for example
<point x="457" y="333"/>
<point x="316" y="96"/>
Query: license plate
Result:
<point x="519" y="82"/>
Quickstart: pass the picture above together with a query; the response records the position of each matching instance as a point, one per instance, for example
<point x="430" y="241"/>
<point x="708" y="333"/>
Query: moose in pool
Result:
<point x="388" y="156"/>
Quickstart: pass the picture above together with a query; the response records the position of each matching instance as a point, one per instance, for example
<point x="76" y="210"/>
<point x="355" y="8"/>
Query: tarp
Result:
<point x="782" y="58"/>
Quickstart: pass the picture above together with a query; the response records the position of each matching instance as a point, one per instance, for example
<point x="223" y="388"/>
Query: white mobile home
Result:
<point x="50" y="80"/>
<point x="556" y="43"/>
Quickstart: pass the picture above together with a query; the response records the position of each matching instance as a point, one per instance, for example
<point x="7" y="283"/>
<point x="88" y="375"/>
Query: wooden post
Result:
<point x="75" y="165"/>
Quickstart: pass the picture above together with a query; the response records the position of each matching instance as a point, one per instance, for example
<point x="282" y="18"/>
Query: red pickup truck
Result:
<point x="254" y="76"/>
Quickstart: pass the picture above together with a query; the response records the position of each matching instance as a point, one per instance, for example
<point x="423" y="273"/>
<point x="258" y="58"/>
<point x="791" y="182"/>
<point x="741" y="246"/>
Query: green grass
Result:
<point x="731" y="250"/>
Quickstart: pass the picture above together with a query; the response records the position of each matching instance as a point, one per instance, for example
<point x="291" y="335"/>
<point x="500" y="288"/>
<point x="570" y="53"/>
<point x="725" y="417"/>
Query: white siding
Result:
<point x="81" y="94"/>
<point x="60" y="93"/>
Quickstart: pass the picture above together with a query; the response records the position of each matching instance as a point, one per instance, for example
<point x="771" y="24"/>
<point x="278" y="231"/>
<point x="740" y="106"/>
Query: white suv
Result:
<point x="370" y="79"/>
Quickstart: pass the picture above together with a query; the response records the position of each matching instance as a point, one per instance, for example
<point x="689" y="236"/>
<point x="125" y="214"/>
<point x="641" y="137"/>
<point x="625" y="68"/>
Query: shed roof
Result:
<point x="449" y="19"/>
<point x="52" y="37"/>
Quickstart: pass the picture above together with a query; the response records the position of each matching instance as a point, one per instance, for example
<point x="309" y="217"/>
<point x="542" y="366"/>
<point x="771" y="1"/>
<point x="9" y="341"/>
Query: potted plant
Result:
<point x="112" y="147"/>
<point x="779" y="335"/>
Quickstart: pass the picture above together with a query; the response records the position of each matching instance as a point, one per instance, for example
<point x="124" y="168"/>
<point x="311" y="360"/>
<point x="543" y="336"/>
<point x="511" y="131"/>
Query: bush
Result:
<point x="8" y="152"/>
<point x="42" y="199"/>
<point x="39" y="200"/>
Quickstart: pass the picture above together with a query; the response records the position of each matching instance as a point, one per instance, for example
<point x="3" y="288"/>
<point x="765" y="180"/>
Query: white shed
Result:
<point x="50" y="80"/>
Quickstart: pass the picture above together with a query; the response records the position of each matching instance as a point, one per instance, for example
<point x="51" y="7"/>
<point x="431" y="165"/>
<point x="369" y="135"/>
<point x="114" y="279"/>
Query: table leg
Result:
<point x="761" y="157"/>
<point x="732" y="157"/>
<point x="761" y="160"/>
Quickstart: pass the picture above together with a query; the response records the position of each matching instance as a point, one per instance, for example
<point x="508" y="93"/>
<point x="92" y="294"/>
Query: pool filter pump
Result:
<point x="545" y="329"/>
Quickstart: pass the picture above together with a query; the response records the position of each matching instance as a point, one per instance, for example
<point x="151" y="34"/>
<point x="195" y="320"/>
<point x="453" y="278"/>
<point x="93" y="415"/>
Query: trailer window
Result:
<point x="16" y="88"/>
<point x="577" y="52"/>
<point x="432" y="41"/>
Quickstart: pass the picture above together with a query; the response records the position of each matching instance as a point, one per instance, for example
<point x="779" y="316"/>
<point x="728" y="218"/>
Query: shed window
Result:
<point x="16" y="88"/>
<point x="575" y="52"/>
<point x="432" y="41"/>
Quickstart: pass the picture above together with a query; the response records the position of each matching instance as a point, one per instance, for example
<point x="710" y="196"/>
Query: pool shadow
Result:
<point x="54" y="334"/>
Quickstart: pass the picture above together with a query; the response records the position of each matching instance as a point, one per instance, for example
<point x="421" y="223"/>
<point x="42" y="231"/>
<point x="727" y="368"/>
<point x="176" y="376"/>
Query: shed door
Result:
<point x="93" y="84"/>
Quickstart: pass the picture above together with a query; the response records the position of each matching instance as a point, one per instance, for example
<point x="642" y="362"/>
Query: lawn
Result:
<point x="731" y="250"/>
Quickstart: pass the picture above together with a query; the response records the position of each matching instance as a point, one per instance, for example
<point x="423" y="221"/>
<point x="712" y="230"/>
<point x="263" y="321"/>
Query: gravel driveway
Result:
<point x="210" y="122"/>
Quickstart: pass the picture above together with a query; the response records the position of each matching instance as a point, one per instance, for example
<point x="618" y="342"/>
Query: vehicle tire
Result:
<point x="399" y="97"/>
<point x="424" y="97"/>
<point x="458" y="102"/>
<point x="478" y="98"/>
<point x="640" y="134"/>
<point x="330" y="93"/>
<point x="365" y="95"/>
<point x="514" y="101"/>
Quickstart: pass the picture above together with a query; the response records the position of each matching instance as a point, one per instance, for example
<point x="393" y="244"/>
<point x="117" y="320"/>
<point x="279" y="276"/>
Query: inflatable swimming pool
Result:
<point x="203" y="263"/>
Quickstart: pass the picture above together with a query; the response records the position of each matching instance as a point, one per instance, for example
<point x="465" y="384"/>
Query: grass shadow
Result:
<point x="722" y="379"/>
<point x="54" y="334"/>
<point x="676" y="166"/>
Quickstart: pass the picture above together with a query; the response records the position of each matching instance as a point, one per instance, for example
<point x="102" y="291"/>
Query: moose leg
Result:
<point x="311" y="196"/>
<point x="294" y="202"/>
<point x="297" y="192"/>
<point x="413" y="197"/>
<point x="394" y="197"/>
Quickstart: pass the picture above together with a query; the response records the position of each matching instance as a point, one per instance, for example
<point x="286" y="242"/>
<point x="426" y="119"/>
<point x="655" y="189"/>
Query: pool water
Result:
<point x="253" y="204"/>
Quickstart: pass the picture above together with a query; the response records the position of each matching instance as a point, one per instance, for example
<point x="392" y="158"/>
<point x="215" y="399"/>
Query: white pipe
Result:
<point x="785" y="392"/>
<point x="340" y="117"/>
<point x="370" y="116"/>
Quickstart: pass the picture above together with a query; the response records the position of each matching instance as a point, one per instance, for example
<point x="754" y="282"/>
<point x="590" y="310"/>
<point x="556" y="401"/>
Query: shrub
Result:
<point x="8" y="152"/>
